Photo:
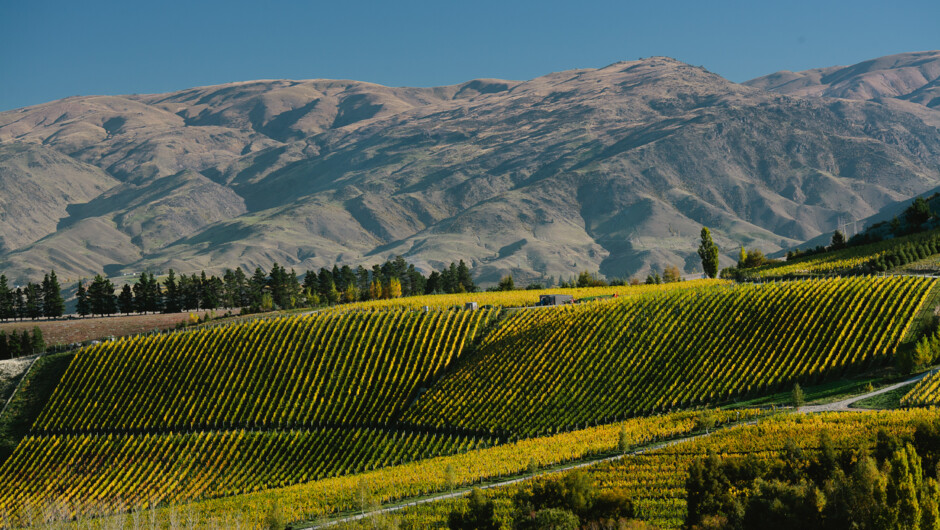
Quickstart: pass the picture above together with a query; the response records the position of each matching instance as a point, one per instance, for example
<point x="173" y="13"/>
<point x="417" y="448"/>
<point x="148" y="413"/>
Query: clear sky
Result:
<point x="55" y="49"/>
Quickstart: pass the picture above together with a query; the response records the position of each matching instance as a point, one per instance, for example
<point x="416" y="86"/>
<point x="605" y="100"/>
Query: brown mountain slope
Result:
<point x="910" y="76"/>
<point x="614" y="169"/>
<point x="37" y="185"/>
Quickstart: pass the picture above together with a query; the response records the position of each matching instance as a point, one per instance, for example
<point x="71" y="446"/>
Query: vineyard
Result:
<point x="327" y="411"/>
<point x="925" y="393"/>
<point x="526" y="298"/>
<point x="896" y="253"/>
<point x="655" y="481"/>
<point x="321" y="498"/>
<point x="82" y="475"/>
<point x="336" y="369"/>
<point x="546" y="370"/>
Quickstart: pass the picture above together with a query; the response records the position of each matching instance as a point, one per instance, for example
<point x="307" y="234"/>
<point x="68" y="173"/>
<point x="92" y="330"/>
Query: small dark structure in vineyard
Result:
<point x="555" y="299"/>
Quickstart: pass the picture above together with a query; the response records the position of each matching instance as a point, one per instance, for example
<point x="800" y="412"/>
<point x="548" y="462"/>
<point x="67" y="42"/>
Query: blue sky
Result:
<point x="50" y="50"/>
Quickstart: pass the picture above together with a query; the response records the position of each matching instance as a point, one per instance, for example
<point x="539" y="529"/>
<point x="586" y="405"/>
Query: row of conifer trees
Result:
<point x="18" y="344"/>
<point x="278" y="288"/>
<point x="33" y="301"/>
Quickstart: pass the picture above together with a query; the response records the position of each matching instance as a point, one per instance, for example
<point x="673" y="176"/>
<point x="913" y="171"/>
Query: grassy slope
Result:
<point x="888" y="400"/>
<point x="36" y="389"/>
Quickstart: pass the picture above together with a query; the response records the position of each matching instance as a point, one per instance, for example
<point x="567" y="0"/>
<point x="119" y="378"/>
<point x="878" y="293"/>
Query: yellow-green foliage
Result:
<point x="655" y="481"/>
<point x="561" y="367"/>
<point x="844" y="261"/>
<point x="520" y="298"/>
<point x="925" y="392"/>
<point x="329" y="496"/>
<point x="84" y="474"/>
<point x="340" y="369"/>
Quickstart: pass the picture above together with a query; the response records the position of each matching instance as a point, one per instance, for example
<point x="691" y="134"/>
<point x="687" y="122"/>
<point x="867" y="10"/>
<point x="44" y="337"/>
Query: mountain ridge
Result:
<point x="612" y="169"/>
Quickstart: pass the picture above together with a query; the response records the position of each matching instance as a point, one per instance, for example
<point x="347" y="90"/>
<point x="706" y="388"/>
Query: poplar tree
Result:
<point x="708" y="251"/>
<point x="394" y="288"/>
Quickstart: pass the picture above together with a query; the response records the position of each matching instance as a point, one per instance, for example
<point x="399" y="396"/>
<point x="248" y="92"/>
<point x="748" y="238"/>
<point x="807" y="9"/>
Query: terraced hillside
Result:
<point x="901" y="253"/>
<point x="545" y="370"/>
<point x="317" y="402"/>
<point x="79" y="475"/>
<point x="522" y="298"/>
<point x="340" y="369"/>
<point x="656" y="481"/>
<point x="218" y="411"/>
<point x="925" y="393"/>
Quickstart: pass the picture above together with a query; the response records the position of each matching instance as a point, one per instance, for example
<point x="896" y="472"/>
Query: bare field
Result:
<point x="82" y="329"/>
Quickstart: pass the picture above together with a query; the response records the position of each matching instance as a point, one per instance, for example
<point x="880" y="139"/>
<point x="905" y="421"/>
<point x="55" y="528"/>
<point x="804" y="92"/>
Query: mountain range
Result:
<point x="613" y="169"/>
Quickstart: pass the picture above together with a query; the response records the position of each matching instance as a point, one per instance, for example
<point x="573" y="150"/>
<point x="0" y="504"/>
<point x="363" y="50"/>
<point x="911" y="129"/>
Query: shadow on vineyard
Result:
<point x="320" y="413"/>
<point x="35" y="390"/>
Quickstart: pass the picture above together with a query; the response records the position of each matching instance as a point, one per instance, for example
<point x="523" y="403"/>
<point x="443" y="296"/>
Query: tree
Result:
<point x="171" y="302"/>
<point x="838" y="240"/>
<point x="26" y="343"/>
<point x="13" y="344"/>
<point x="464" y="278"/>
<point x="274" y="518"/>
<point x="375" y="290"/>
<point x="351" y="294"/>
<point x="101" y="296"/>
<point x="240" y="293"/>
<point x="742" y="258"/>
<point x="82" y="307"/>
<point x="211" y="292"/>
<point x="190" y="289"/>
<point x="7" y="311"/>
<point x="256" y="289"/>
<point x="752" y="258"/>
<point x="363" y="281"/>
<point x="479" y="515"/>
<point x="33" y="301"/>
<point x="277" y="282"/>
<point x="450" y="477"/>
<point x="19" y="303"/>
<point x="152" y="295"/>
<point x="506" y="283"/>
<point x="332" y="294"/>
<point x="449" y="279"/>
<point x="918" y="212"/>
<point x="797" y="396"/>
<point x="672" y="274"/>
<point x="434" y="283"/>
<point x="905" y="481"/>
<point x="313" y="300"/>
<point x="417" y="281"/>
<point x="53" y="305"/>
<point x="126" y="300"/>
<point x="37" y="343"/>
<point x="394" y="288"/>
<point x="4" y="347"/>
<point x="705" y="421"/>
<point x="623" y="440"/>
<point x="140" y="293"/>
<point x="556" y="519"/>
<point x="708" y="252"/>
